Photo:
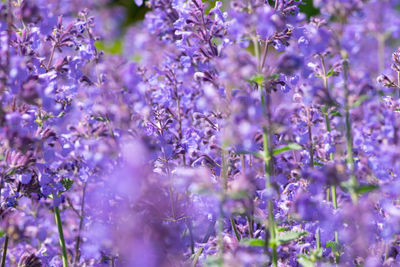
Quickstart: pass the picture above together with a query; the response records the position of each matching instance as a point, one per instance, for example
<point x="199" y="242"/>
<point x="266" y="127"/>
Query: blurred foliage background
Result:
<point x="135" y="13"/>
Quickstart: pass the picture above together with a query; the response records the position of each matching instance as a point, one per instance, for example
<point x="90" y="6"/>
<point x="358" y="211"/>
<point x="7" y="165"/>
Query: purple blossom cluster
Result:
<point x="231" y="133"/>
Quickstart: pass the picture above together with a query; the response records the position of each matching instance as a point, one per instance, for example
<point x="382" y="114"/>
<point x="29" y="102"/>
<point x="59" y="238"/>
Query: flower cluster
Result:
<point x="231" y="133"/>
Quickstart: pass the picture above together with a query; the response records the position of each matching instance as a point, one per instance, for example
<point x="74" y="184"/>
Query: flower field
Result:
<point x="162" y="133"/>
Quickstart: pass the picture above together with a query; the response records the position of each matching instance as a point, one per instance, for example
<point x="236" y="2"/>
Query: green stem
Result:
<point x="3" y="261"/>
<point x="334" y="198"/>
<point x="328" y="128"/>
<point x="318" y="239"/>
<point x="196" y="256"/>
<point x="250" y="222"/>
<point x="235" y="229"/>
<point x="272" y="232"/>
<point x="81" y="218"/>
<point x="267" y="157"/>
<point x="61" y="236"/>
<point x="398" y="82"/>
<point x="349" y="137"/>
<point x="381" y="52"/>
<point x="328" y="194"/>
<point x="311" y="146"/>
<point x="224" y="181"/>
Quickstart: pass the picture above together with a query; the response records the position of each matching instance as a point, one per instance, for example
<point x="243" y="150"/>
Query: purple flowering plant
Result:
<point x="209" y="133"/>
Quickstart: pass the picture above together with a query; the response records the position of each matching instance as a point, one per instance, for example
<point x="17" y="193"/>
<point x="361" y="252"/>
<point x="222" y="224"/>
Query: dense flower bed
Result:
<point x="234" y="133"/>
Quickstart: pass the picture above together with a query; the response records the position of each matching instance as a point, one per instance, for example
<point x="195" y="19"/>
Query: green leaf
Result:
<point x="214" y="261"/>
<point x="335" y="113"/>
<point x="61" y="114"/>
<point x="286" y="237"/>
<point x="252" y="242"/>
<point x="317" y="163"/>
<point x="98" y="118"/>
<point x="305" y="261"/>
<point x="114" y="48"/>
<point x="259" y="79"/>
<point x="288" y="147"/>
<point x="11" y="172"/>
<point x="2" y="233"/>
<point x="67" y="183"/>
<point x="238" y="195"/>
<point x="256" y="154"/>
<point x="362" y="189"/>
<point x="333" y="245"/>
<point x="360" y="100"/>
<point x="282" y="229"/>
<point x="359" y="189"/>
<point x="330" y="73"/>
<point x="274" y="76"/>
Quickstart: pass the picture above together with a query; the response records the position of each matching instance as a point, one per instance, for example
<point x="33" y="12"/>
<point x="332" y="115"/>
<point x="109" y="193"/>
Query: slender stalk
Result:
<point x="235" y="229"/>
<point x="328" y="128"/>
<point x="310" y="139"/>
<point x="318" y="237"/>
<point x="276" y="4"/>
<point x="349" y="137"/>
<point x="225" y="186"/>
<point x="220" y="230"/>
<point x="381" y="52"/>
<point x="324" y="78"/>
<point x="267" y="156"/>
<point x="249" y="217"/>
<point x="264" y="56"/>
<point x="398" y="83"/>
<point x="196" y="256"/>
<point x="3" y="260"/>
<point x="61" y="236"/>
<point x="81" y="218"/>
<point x="53" y="50"/>
<point x="224" y="181"/>
<point x="250" y="223"/>
<point x="328" y="194"/>
<point x="334" y="198"/>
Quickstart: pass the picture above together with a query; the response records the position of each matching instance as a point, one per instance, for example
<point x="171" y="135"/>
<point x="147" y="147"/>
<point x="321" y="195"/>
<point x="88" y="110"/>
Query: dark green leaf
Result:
<point x="362" y="189"/>
<point x="335" y="113"/>
<point x="67" y="183"/>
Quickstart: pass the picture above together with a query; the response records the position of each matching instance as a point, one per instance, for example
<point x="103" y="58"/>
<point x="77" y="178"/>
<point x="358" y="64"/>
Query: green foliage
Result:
<point x="288" y="147"/>
<point x="214" y="261"/>
<point x="67" y="183"/>
<point x="114" y="48"/>
<point x="252" y="242"/>
<point x="286" y="237"/>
